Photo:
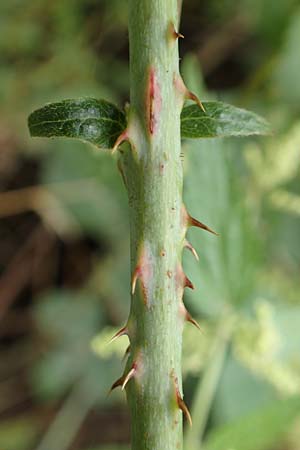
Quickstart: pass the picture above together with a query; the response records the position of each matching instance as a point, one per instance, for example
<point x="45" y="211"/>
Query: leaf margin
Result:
<point x="225" y="120"/>
<point x="81" y="118"/>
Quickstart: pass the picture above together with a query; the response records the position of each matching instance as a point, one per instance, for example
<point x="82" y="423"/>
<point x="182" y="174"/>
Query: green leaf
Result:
<point x="257" y="431"/>
<point x="95" y="121"/>
<point x="220" y="120"/>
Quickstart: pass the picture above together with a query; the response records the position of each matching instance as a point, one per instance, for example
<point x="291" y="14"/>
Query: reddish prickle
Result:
<point x="130" y="375"/>
<point x="123" y="380"/>
<point x="117" y="383"/>
<point x="190" y="319"/>
<point x="173" y="34"/>
<point x="180" y="402"/>
<point x="187" y="316"/>
<point x="191" y="96"/>
<point x="189" y="246"/>
<point x="196" y="223"/>
<point x="122" y="138"/>
<point x="189" y="221"/>
<point x="143" y="272"/>
<point x="122" y="332"/>
<point x="185" y="92"/>
<point x="188" y="283"/>
<point x="182" y="280"/>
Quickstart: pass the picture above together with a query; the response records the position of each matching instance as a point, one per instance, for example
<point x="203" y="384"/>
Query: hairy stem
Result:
<point x="152" y="172"/>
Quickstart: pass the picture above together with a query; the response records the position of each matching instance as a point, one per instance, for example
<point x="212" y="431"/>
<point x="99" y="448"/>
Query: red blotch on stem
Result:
<point x="153" y="101"/>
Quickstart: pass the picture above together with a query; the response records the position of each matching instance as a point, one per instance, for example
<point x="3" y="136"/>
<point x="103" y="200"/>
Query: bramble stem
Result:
<point x="152" y="172"/>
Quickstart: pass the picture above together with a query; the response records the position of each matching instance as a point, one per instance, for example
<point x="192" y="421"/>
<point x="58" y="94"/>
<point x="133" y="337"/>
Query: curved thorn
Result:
<point x="188" y="283"/>
<point x="182" y="281"/>
<point x="189" y="246"/>
<point x="173" y="33"/>
<point x="122" y="332"/>
<point x="196" y="223"/>
<point x="143" y="272"/>
<point x="190" y="319"/>
<point x="191" y="96"/>
<point x="116" y="384"/>
<point x="122" y="138"/>
<point x="185" y="92"/>
<point x="134" y="279"/>
<point x="179" y="400"/>
<point x="181" y="404"/>
<point x="129" y="376"/>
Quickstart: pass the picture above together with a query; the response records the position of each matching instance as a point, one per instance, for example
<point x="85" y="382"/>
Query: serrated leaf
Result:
<point x="220" y="120"/>
<point x="95" y="121"/>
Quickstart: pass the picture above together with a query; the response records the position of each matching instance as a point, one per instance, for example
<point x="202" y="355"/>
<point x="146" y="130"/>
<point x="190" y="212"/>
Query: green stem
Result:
<point x="152" y="172"/>
<point x="207" y="386"/>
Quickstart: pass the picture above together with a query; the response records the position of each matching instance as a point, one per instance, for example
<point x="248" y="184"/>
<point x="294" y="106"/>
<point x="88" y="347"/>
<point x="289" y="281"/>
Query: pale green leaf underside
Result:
<point x="95" y="121"/>
<point x="220" y="120"/>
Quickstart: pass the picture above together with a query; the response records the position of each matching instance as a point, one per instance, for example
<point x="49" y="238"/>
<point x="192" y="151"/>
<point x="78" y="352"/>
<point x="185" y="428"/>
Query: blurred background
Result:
<point x="64" y="261"/>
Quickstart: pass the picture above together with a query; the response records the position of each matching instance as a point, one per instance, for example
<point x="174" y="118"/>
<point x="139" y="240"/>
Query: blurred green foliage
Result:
<point x="248" y="190"/>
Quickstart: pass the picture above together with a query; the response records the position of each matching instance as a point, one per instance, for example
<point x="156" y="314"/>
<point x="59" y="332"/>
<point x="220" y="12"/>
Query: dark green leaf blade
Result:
<point x="220" y="120"/>
<point x="95" y="121"/>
